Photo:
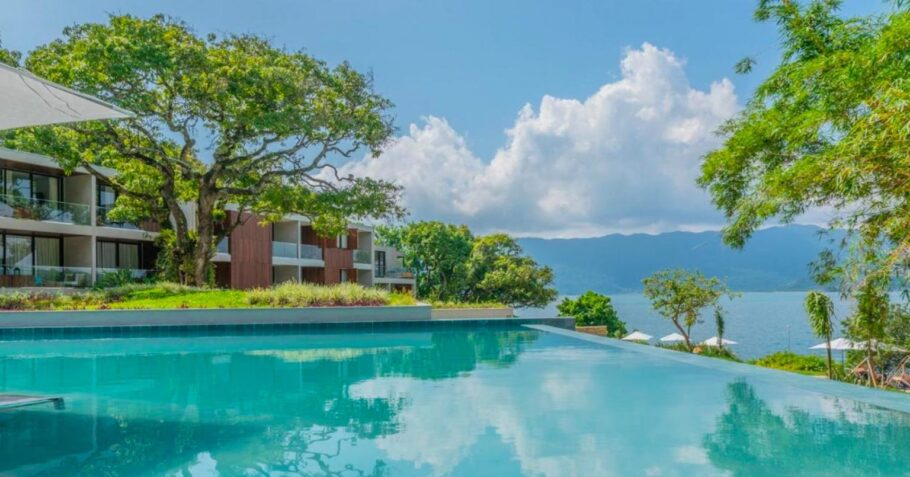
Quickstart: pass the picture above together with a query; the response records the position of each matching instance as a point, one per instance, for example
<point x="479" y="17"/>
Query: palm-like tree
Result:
<point x="820" y="310"/>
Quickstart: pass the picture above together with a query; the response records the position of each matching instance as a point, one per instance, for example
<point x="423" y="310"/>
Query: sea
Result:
<point x="760" y="322"/>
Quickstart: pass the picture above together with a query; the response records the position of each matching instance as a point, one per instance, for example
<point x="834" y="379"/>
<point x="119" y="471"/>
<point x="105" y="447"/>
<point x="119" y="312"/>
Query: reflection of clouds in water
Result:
<point x="546" y="420"/>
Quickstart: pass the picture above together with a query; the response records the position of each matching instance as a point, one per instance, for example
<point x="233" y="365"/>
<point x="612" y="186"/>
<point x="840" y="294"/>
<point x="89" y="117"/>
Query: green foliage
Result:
<point x="166" y="295"/>
<point x="593" y="309"/>
<point x="708" y="351"/>
<point x="9" y="57"/>
<point x="798" y="363"/>
<point x="680" y="296"/>
<point x="820" y="310"/>
<point x="305" y="294"/>
<point x="219" y="120"/>
<point x="451" y="264"/>
<point x="828" y="128"/>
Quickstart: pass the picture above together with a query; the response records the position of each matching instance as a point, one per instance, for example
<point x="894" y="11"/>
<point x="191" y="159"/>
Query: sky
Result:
<point x="538" y="118"/>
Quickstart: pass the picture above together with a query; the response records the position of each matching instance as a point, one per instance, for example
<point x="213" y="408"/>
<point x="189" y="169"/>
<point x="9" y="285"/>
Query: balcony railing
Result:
<point x="223" y="246"/>
<point x="284" y="249"/>
<point x="311" y="252"/>
<point x="45" y="276"/>
<point x="19" y="207"/>
<point x="393" y="273"/>
<point x="362" y="256"/>
<point x="130" y="274"/>
<point x="101" y="219"/>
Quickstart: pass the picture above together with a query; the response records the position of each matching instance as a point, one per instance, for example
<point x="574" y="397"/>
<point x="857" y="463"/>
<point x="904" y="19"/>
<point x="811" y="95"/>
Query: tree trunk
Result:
<point x="871" y="357"/>
<point x="830" y="365"/>
<point x="683" y="332"/>
<point x="205" y="233"/>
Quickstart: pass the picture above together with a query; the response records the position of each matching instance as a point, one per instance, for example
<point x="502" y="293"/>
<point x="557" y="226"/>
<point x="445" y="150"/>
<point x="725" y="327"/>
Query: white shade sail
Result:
<point x="673" y="338"/>
<point x="637" y="336"/>
<point x="839" y="344"/>
<point x="712" y="341"/>
<point x="27" y="100"/>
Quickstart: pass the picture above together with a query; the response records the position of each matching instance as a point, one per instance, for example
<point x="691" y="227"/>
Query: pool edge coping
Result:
<point x="878" y="397"/>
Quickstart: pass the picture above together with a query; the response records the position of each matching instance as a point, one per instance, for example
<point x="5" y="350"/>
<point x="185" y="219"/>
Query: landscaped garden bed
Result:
<point x="162" y="296"/>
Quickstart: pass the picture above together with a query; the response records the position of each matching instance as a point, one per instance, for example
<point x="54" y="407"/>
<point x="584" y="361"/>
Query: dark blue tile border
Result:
<point x="82" y="332"/>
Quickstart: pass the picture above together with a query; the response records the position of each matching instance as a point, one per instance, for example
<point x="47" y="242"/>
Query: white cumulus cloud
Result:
<point x="623" y="160"/>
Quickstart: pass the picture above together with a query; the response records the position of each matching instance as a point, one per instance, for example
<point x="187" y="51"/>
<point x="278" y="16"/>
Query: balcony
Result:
<point x="363" y="256"/>
<point x="284" y="249"/>
<point x="101" y="219"/>
<point x="45" y="276"/>
<point x="311" y="252"/>
<point x="19" y="207"/>
<point x="394" y="273"/>
<point x="122" y="274"/>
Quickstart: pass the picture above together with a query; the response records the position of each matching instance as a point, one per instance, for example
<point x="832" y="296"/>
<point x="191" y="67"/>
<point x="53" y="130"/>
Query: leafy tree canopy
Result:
<point x="221" y="121"/>
<point x="451" y="264"/>
<point x="593" y="309"/>
<point x="828" y="129"/>
<point x="681" y="295"/>
<point x="9" y="57"/>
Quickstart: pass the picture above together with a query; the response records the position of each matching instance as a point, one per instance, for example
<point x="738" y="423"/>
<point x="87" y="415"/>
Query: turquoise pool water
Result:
<point x="489" y="402"/>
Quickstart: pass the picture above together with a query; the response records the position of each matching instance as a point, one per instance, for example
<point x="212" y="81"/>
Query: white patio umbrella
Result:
<point x="713" y="341"/>
<point x="637" y="336"/>
<point x="673" y="338"/>
<point x="27" y="100"/>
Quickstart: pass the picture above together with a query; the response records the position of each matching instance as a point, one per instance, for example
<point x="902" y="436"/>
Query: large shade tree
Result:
<point x="828" y="129"/>
<point x="681" y="295"/>
<point x="222" y="122"/>
<point x="451" y="264"/>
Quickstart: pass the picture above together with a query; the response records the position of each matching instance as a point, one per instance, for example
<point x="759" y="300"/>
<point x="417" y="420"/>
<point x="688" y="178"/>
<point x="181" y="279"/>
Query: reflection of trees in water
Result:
<point x="849" y="438"/>
<point x="254" y="413"/>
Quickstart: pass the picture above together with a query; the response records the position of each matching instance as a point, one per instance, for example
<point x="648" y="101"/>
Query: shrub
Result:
<point x="593" y="309"/>
<point x="789" y="361"/>
<point x="305" y="294"/>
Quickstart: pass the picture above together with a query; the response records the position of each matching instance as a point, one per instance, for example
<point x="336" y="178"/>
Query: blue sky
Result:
<point x="472" y="66"/>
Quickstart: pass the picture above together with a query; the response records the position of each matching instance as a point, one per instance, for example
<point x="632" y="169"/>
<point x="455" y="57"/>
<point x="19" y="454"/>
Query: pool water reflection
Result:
<point x="497" y="402"/>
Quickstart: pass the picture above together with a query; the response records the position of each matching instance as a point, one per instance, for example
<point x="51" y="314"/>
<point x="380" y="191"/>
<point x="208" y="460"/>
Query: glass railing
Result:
<point x="223" y="246"/>
<point x="284" y="249"/>
<point x="19" y="207"/>
<point x="311" y="252"/>
<point x="393" y="273"/>
<point x="45" y="276"/>
<point x="101" y="219"/>
<point x="130" y="274"/>
<point x="362" y="256"/>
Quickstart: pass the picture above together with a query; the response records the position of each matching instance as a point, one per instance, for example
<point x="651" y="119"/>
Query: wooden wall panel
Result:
<point x="251" y="254"/>
<point x="223" y="274"/>
<point x="337" y="259"/>
<point x="313" y="275"/>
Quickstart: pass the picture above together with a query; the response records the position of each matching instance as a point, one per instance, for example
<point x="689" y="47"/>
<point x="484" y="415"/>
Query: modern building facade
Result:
<point x="54" y="232"/>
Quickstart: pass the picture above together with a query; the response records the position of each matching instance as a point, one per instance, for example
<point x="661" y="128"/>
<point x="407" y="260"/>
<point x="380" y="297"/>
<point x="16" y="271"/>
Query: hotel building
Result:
<point x="54" y="232"/>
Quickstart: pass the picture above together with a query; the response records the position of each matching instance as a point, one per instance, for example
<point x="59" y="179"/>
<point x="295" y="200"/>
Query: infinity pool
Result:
<point x="488" y="402"/>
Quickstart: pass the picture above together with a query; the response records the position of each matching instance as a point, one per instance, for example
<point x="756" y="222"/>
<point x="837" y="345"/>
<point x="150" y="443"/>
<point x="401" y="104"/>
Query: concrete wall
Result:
<point x="472" y="313"/>
<point x="78" y="251"/>
<point x="210" y="317"/>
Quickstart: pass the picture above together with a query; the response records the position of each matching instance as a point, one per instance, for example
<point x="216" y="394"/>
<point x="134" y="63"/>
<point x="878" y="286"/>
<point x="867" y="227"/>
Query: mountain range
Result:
<point x="774" y="259"/>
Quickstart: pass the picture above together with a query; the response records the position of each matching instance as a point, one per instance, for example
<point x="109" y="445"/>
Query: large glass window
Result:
<point x="106" y="254"/>
<point x="18" y="255"/>
<point x="128" y="255"/>
<point x="106" y="196"/>
<point x="19" y="184"/>
<point x="47" y="252"/>
<point x="117" y="255"/>
<point x="46" y="188"/>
